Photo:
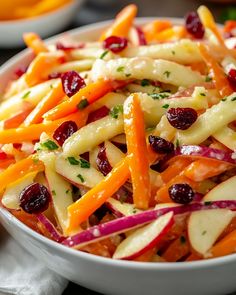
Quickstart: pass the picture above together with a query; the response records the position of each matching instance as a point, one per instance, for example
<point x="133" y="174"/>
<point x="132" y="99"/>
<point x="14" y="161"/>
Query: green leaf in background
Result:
<point x="228" y="13"/>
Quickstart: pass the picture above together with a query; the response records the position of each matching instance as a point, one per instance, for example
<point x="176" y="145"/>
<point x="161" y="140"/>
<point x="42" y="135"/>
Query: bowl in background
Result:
<point x="49" y="23"/>
<point x="107" y="276"/>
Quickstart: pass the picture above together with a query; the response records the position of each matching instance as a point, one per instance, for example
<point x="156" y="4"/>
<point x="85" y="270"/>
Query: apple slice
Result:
<point x="60" y="189"/>
<point x="144" y="238"/>
<point x="114" y="155"/>
<point x="204" y="227"/>
<point x="121" y="209"/>
<point x="77" y="175"/>
<point x="10" y="197"/>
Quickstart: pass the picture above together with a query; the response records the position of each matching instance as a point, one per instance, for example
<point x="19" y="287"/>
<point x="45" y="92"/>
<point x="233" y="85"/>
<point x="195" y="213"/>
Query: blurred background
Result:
<point x="16" y="15"/>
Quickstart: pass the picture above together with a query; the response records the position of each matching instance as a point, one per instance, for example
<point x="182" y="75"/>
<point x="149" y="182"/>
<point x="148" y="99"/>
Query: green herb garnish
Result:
<point x="208" y="79"/>
<point x="202" y="94"/>
<point x="114" y="112"/>
<point x="208" y="203"/>
<point x="26" y="95"/>
<point x="104" y="54"/>
<point x="80" y="177"/>
<point x="84" y="163"/>
<point x="224" y="99"/>
<point x="233" y="99"/>
<point x="167" y="73"/>
<point x="165" y="106"/>
<point x="82" y="104"/>
<point x="50" y="145"/>
<point x="127" y="75"/>
<point x="53" y="193"/>
<point x="73" y="161"/>
<point x="145" y="82"/>
<point x="204" y="232"/>
<point x="160" y="95"/>
<point x="120" y="69"/>
<point x="177" y="143"/>
<point x="173" y="52"/>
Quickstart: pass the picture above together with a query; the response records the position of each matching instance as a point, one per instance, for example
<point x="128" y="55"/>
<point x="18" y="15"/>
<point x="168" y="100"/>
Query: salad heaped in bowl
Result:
<point x="124" y="147"/>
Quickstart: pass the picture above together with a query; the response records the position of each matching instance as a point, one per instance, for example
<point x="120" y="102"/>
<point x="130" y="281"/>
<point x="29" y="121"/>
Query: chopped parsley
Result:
<point x="202" y="94"/>
<point x="80" y="177"/>
<point x="208" y="79"/>
<point x="177" y="143"/>
<point x="120" y="69"/>
<point x="104" y="54"/>
<point x="224" y="99"/>
<point x="233" y="98"/>
<point x="167" y="73"/>
<point x="50" y="145"/>
<point x="53" y="193"/>
<point x="35" y="160"/>
<point x="114" y="112"/>
<point x="73" y="161"/>
<point x="182" y="239"/>
<point x="84" y="163"/>
<point x="67" y="191"/>
<point x="165" y="106"/>
<point x="26" y="94"/>
<point x="160" y="95"/>
<point x="127" y="75"/>
<point x="208" y="203"/>
<point x="145" y="82"/>
<point x="134" y="210"/>
<point x="204" y="232"/>
<point x="51" y="86"/>
<point x="82" y="104"/>
<point x="173" y="52"/>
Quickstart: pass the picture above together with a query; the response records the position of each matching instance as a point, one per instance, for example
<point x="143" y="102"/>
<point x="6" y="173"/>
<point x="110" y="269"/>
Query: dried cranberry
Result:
<point x="115" y="44"/>
<point x="3" y="155"/>
<point x="72" y="82"/>
<point x="64" y="131"/>
<point x="35" y="198"/>
<point x="160" y="145"/>
<point x="193" y="25"/>
<point x="20" y="71"/>
<point x="181" y="193"/>
<point x="55" y="75"/>
<point x="102" y="162"/>
<point x="98" y="114"/>
<point x="232" y="78"/>
<point x="181" y="118"/>
<point x="61" y="46"/>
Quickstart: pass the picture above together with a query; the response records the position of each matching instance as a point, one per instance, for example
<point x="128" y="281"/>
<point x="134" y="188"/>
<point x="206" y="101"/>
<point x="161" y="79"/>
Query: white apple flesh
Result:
<point x="144" y="238"/>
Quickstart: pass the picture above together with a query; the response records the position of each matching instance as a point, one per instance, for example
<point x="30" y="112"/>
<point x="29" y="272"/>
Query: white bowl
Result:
<point x="45" y="25"/>
<point x="215" y="276"/>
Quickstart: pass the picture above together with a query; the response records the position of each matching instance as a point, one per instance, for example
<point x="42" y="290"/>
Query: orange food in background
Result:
<point x="17" y="9"/>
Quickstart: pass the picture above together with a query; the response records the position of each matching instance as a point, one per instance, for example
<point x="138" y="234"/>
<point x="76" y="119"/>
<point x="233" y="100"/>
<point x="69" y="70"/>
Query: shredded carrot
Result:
<point x="94" y="198"/>
<point x="218" y="75"/>
<point x="147" y="256"/>
<point x="91" y="93"/>
<point x="177" y="249"/>
<point x="40" y="67"/>
<point x="34" y="131"/>
<point x="170" y="34"/>
<point x="152" y="29"/>
<point x="47" y="103"/>
<point x="16" y="120"/>
<point x="205" y="168"/>
<point x="208" y="22"/>
<point x="6" y="163"/>
<point x="229" y="26"/>
<point x="122" y="23"/>
<point x="175" y="168"/>
<point x="137" y="151"/>
<point x="33" y="41"/>
<point x="18" y="170"/>
<point x="193" y="257"/>
<point x="225" y="246"/>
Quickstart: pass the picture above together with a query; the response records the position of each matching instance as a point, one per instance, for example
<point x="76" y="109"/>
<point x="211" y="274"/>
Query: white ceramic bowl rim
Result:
<point x="45" y="14"/>
<point x="165" y="266"/>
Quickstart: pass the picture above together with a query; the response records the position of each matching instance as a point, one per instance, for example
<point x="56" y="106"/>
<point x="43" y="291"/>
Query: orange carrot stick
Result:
<point x="16" y="120"/>
<point x="91" y="93"/>
<point x="34" y="131"/>
<point x="122" y="24"/>
<point x="41" y="66"/>
<point x="137" y="151"/>
<point x="47" y="103"/>
<point x="94" y="198"/>
<point x="225" y="246"/>
<point x="219" y="78"/>
<point x="152" y="29"/>
<point x="208" y="22"/>
<point x="205" y="168"/>
<point x="18" y="170"/>
<point x="162" y="195"/>
<point x="229" y="26"/>
<point x="175" y="168"/>
<point x="193" y="257"/>
<point x="7" y="162"/>
<point x="177" y="249"/>
<point x="33" y="41"/>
